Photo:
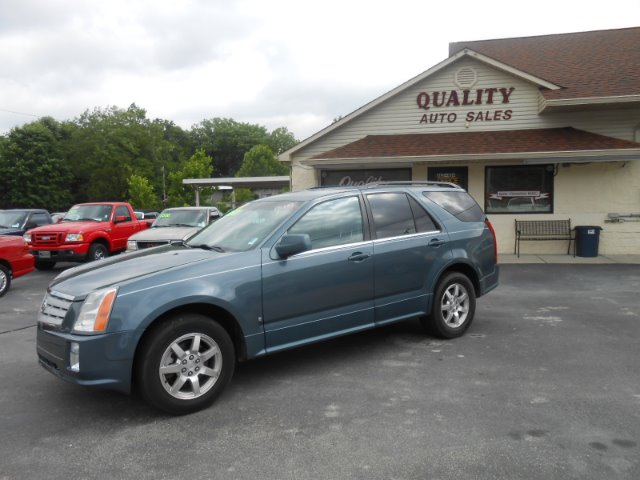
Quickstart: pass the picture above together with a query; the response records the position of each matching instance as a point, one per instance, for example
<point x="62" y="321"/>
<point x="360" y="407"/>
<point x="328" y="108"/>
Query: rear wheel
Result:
<point x="97" y="251"/>
<point x="454" y="305"/>
<point x="5" y="280"/>
<point x="185" y="363"/>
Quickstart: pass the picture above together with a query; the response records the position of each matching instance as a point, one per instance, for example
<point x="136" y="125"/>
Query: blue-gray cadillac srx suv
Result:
<point x="276" y="273"/>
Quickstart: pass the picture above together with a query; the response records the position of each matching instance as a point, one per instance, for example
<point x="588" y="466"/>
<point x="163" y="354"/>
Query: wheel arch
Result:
<point x="6" y="264"/>
<point x="213" y="312"/>
<point x="465" y="269"/>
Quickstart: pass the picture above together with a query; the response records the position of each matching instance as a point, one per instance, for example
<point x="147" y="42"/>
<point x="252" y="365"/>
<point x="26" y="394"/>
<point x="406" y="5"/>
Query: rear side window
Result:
<point x="459" y="204"/>
<point x="396" y="214"/>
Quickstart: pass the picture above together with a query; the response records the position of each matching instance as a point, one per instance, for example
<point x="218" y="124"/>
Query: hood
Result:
<point x="164" y="233"/>
<point x="70" y="227"/>
<point x="11" y="231"/>
<point x="80" y="281"/>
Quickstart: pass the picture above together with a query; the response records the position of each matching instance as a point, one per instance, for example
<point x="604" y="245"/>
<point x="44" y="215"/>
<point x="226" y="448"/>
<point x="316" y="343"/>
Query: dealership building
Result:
<point x="535" y="128"/>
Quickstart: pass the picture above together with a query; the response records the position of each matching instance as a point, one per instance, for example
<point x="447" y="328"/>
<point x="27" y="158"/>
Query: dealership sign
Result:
<point x="452" y="100"/>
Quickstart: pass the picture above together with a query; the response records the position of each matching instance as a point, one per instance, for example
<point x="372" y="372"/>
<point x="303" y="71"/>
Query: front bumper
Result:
<point x="62" y="253"/>
<point x="105" y="360"/>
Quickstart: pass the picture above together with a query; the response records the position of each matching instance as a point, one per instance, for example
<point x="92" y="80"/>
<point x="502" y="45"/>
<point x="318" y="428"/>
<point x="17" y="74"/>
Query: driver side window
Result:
<point x="335" y="222"/>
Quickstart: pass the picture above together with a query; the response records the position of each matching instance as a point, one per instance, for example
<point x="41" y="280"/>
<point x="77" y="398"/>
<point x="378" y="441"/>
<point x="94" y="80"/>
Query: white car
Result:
<point x="173" y="224"/>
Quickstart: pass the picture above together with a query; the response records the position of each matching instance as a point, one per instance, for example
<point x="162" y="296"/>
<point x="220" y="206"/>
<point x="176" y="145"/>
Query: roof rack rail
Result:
<point x="425" y="183"/>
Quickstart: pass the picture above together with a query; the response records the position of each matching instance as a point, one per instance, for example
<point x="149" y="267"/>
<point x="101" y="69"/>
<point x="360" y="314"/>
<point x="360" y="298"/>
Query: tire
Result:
<point x="454" y="305"/>
<point x="5" y="280"/>
<point x="97" y="251"/>
<point x="169" y="365"/>
<point x="44" y="265"/>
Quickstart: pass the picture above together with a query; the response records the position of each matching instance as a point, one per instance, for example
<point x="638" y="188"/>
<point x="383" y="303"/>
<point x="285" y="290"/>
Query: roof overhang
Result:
<point x="240" y="182"/>
<point x="578" y="156"/>
<point x="622" y="101"/>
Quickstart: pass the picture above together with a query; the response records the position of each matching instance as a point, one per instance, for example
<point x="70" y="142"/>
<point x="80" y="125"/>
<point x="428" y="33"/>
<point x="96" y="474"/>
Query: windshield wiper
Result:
<point x="204" y="246"/>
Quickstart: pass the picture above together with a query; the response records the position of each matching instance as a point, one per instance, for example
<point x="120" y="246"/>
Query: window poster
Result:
<point x="519" y="189"/>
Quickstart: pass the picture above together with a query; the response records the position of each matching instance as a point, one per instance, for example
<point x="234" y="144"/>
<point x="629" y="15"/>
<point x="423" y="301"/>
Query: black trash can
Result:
<point x="587" y="240"/>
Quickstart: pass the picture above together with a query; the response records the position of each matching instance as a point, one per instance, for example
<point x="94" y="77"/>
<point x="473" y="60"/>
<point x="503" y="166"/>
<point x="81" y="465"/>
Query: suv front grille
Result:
<point x="54" y="308"/>
<point x="47" y="239"/>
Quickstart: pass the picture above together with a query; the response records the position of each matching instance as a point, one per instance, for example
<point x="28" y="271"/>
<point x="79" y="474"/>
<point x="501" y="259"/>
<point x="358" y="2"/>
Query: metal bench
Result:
<point x="542" y="230"/>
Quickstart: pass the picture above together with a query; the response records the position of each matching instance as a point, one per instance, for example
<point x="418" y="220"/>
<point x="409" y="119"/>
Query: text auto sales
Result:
<point x="457" y="98"/>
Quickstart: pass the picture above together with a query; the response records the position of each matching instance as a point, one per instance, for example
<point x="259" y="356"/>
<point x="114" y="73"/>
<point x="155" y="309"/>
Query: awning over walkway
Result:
<point x="551" y="145"/>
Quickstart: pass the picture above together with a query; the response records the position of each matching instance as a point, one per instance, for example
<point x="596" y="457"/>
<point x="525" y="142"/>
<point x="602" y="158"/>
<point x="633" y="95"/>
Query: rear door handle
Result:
<point x="436" y="242"/>
<point x="358" y="257"/>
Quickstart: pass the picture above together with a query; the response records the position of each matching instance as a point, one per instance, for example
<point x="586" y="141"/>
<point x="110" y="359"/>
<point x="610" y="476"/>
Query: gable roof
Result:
<point x="603" y="63"/>
<point x="567" y="142"/>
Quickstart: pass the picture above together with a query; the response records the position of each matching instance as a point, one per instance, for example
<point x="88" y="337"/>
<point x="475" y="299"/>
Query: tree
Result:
<point x="261" y="162"/>
<point x="281" y="140"/>
<point x="200" y="165"/>
<point x="33" y="172"/>
<point x="109" y="145"/>
<point x="227" y="141"/>
<point x="141" y="193"/>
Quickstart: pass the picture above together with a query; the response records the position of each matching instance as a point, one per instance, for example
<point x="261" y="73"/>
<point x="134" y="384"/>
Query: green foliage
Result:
<point x="200" y="165"/>
<point x="141" y="193"/>
<point x="55" y="164"/>
<point x="261" y="162"/>
<point x="227" y="141"/>
<point x="33" y="172"/>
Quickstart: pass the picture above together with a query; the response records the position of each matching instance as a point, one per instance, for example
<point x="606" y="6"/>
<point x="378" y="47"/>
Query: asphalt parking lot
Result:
<point x="544" y="385"/>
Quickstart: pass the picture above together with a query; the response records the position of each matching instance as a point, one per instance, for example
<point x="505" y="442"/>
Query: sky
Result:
<point x="277" y="63"/>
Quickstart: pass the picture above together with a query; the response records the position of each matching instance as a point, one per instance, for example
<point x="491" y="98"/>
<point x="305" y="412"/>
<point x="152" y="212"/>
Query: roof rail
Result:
<point x="417" y="183"/>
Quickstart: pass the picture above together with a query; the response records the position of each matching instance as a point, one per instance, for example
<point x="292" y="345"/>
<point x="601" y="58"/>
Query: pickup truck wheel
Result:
<point x="184" y="364"/>
<point x="44" y="265"/>
<point x="97" y="251"/>
<point x="5" y="280"/>
<point x="454" y="305"/>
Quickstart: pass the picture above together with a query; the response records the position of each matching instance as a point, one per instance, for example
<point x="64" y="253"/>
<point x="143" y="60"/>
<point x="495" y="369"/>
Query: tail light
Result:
<point x="495" y="241"/>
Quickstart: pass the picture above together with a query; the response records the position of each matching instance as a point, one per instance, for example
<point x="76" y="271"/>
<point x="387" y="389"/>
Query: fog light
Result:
<point x="74" y="357"/>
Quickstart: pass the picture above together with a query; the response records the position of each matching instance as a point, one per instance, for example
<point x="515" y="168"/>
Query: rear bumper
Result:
<point x="490" y="281"/>
<point x="102" y="362"/>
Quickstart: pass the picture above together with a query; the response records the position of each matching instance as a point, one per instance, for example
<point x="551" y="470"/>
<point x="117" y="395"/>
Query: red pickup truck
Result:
<point x="89" y="231"/>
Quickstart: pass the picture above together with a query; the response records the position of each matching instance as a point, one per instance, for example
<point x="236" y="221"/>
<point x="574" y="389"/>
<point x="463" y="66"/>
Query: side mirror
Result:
<point x="120" y="219"/>
<point x="293" y="244"/>
<point x="30" y="224"/>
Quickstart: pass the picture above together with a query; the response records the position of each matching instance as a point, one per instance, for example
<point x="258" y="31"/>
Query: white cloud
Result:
<point x="279" y="63"/>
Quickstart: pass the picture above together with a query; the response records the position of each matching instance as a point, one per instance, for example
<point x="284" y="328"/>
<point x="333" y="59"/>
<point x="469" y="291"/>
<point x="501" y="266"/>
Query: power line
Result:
<point x="19" y="113"/>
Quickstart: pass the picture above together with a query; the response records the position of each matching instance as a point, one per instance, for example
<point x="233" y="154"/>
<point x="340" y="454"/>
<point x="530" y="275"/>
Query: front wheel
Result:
<point x="45" y="265"/>
<point x="185" y="363"/>
<point x="97" y="251"/>
<point x="454" y="305"/>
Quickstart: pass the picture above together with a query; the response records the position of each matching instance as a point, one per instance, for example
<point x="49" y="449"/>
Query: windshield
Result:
<point x="12" y="219"/>
<point x="181" y="218"/>
<point x="246" y="227"/>
<point x="96" y="213"/>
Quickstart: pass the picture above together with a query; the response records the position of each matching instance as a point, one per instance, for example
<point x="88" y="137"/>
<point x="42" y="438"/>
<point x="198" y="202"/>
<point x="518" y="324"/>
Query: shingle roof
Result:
<point x="460" y="143"/>
<point x="601" y="63"/>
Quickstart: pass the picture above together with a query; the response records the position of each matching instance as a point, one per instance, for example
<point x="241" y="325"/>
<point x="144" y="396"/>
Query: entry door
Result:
<point x="325" y="291"/>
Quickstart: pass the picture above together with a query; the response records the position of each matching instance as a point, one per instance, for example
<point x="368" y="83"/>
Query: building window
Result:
<point x="457" y="175"/>
<point x="521" y="189"/>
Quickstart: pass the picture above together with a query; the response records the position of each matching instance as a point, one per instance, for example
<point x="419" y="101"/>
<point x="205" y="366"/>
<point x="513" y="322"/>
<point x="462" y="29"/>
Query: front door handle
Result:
<point x="436" y="242"/>
<point x="358" y="257"/>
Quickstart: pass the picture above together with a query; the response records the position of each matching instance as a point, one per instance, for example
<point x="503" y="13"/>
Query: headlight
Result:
<point x="132" y="245"/>
<point x="74" y="237"/>
<point x="27" y="237"/>
<point x="95" y="311"/>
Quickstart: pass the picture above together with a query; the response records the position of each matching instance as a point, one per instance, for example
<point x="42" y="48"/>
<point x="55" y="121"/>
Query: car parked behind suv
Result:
<point x="18" y="221"/>
<point x="276" y="273"/>
<point x="173" y="225"/>
<point x="15" y="260"/>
